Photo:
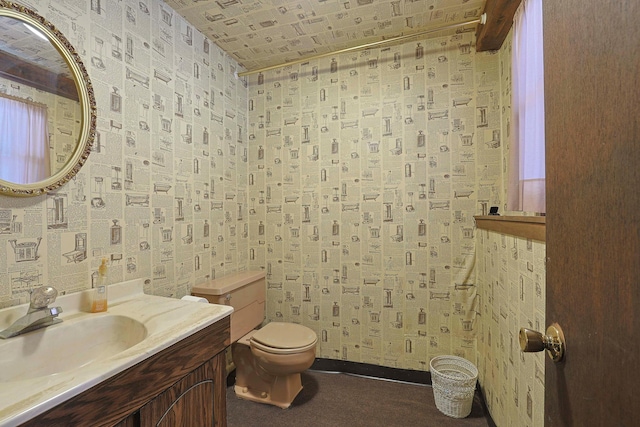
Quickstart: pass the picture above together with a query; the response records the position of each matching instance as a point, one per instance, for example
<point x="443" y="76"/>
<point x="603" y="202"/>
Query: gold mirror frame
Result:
<point x="85" y="95"/>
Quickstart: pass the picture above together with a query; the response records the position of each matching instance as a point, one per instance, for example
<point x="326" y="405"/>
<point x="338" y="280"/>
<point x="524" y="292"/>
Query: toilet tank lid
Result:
<point x="285" y="335"/>
<point x="228" y="283"/>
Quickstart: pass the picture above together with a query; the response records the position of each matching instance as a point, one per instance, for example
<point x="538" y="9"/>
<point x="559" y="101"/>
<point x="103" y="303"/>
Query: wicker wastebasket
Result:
<point x="454" y="383"/>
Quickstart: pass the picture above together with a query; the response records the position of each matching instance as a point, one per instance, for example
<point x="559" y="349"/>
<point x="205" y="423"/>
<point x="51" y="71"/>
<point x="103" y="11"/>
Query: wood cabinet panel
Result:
<point x="131" y="421"/>
<point x="190" y="402"/>
<point x="117" y="399"/>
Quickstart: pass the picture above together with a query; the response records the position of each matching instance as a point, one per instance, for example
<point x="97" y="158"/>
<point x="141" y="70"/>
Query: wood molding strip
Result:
<point x="25" y="73"/>
<point x="491" y="35"/>
<point x="528" y="227"/>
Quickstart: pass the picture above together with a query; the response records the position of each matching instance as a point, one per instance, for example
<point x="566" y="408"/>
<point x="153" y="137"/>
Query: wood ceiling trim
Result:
<point x="499" y="21"/>
<point x="19" y="71"/>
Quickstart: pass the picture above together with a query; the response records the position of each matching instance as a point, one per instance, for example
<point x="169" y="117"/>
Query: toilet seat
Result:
<point x="284" y="338"/>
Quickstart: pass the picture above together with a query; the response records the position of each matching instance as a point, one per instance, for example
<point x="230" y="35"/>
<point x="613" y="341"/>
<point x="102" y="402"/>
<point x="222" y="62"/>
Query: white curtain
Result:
<point x="526" y="191"/>
<point x="24" y="142"/>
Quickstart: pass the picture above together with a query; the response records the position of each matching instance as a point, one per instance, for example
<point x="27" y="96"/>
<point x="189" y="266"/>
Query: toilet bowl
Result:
<point x="269" y="360"/>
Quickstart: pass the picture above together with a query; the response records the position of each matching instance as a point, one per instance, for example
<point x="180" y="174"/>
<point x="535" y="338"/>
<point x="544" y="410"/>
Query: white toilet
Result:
<point x="268" y="360"/>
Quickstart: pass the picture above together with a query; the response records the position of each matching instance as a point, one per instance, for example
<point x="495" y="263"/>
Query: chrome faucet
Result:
<point x="39" y="314"/>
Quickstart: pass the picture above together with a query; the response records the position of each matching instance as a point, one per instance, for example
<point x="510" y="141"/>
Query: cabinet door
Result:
<point x="192" y="401"/>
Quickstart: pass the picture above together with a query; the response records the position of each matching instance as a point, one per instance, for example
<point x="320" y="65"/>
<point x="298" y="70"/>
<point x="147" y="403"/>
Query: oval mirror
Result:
<point x="47" y="105"/>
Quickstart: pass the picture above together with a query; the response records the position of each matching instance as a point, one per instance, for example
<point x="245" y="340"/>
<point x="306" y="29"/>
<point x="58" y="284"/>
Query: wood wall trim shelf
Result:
<point x="528" y="227"/>
<point x="491" y="35"/>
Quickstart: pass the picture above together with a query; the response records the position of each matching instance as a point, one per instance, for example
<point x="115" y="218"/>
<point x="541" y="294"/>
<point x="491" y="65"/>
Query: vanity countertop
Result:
<point x="167" y="321"/>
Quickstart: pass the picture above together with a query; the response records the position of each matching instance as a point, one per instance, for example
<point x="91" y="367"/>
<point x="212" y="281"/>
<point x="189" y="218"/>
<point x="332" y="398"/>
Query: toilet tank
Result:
<point x="244" y="291"/>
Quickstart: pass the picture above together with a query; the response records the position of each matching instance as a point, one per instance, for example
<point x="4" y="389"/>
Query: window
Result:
<point x="526" y="190"/>
<point x="24" y="140"/>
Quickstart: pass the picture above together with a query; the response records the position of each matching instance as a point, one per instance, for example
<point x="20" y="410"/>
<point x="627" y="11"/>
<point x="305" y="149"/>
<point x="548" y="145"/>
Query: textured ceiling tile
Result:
<point x="262" y="33"/>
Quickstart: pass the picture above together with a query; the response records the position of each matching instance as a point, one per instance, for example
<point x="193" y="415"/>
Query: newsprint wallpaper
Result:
<point x="511" y="275"/>
<point x="363" y="182"/>
<point x="163" y="193"/>
<point x="511" y="279"/>
<point x="365" y="172"/>
<point x="351" y="180"/>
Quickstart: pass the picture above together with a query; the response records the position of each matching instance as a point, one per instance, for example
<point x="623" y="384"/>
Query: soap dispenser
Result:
<point x="99" y="302"/>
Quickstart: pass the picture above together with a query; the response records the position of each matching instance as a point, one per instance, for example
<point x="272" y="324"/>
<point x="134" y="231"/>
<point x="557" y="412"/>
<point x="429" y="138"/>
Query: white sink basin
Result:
<point x="68" y="345"/>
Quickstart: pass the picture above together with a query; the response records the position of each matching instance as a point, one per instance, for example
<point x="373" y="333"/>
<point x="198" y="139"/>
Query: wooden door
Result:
<point x="592" y="102"/>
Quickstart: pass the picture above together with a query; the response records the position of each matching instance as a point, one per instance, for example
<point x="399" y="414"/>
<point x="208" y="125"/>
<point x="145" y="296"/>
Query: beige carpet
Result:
<point x="336" y="400"/>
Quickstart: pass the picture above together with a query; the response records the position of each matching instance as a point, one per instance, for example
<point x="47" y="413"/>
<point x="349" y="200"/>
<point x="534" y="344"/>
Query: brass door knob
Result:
<point x="553" y="341"/>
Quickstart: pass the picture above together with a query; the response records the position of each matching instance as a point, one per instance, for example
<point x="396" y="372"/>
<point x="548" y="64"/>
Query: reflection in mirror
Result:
<point x="47" y="106"/>
<point x="24" y="141"/>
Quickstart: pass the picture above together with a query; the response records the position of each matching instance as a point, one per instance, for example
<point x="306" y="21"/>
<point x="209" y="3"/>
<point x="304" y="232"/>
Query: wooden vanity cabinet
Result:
<point x="183" y="385"/>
